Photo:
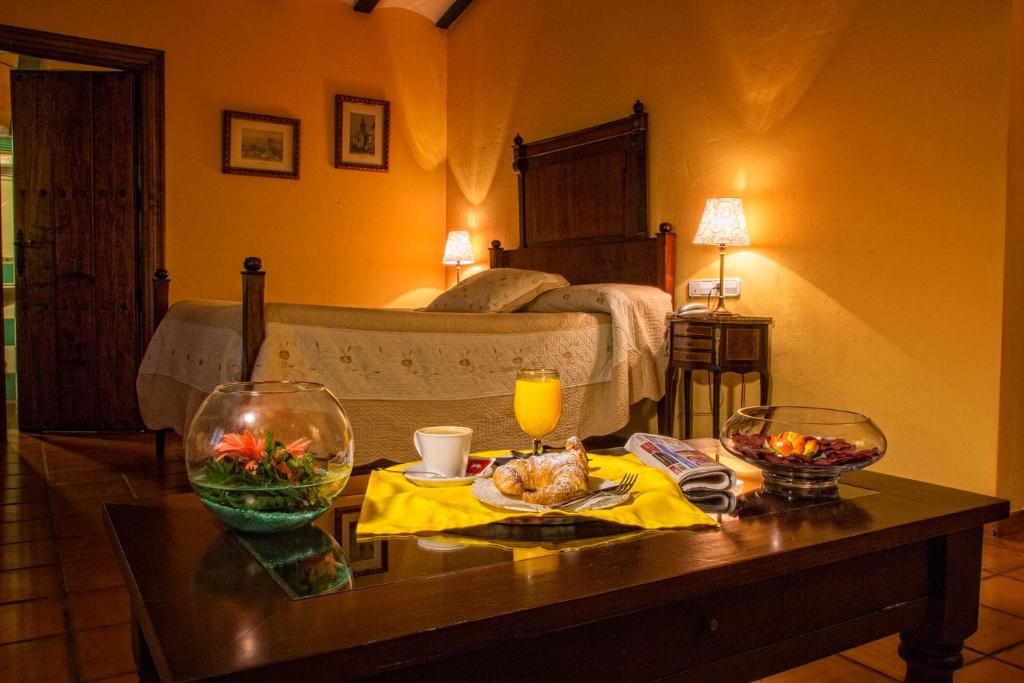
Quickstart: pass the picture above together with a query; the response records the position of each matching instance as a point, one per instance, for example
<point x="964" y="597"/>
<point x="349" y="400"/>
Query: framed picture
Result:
<point x="364" y="558"/>
<point x="361" y="133"/>
<point x="256" y="144"/>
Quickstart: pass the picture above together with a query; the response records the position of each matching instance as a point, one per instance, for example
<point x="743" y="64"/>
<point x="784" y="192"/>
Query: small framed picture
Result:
<point x="256" y="144"/>
<point x="361" y="133"/>
<point x="364" y="558"/>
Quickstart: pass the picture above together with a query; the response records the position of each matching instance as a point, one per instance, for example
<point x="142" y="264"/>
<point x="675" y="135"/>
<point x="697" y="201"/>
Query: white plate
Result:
<point x="430" y="480"/>
<point x="486" y="492"/>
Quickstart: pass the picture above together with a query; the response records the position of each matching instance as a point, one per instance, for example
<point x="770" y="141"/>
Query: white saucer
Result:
<point x="421" y="477"/>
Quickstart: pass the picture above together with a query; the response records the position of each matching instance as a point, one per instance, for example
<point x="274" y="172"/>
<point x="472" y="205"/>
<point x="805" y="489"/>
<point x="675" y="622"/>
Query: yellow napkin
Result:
<point x="394" y="505"/>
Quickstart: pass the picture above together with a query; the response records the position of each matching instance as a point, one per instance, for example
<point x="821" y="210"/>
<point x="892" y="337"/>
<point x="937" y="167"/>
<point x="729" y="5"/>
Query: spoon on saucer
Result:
<point x="425" y="473"/>
<point x="422" y="473"/>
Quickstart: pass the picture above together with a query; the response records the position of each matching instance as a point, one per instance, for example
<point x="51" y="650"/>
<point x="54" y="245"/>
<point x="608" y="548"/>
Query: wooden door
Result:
<point x="76" y="280"/>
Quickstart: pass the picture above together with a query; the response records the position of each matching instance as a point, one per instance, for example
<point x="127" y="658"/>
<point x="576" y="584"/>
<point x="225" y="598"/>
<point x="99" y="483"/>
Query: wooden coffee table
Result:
<point x="777" y="586"/>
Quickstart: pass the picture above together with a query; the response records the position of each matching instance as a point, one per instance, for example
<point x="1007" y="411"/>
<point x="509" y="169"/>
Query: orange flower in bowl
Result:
<point x="789" y="444"/>
<point x="243" y="446"/>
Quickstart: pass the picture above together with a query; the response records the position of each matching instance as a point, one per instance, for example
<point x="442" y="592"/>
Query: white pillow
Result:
<point x="498" y="290"/>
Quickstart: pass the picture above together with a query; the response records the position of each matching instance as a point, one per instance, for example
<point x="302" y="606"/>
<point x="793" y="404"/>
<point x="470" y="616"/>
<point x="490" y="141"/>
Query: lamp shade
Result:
<point x="458" y="249"/>
<point x="723" y="223"/>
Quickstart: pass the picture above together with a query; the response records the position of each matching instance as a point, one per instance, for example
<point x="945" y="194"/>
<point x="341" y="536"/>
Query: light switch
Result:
<point x="701" y="288"/>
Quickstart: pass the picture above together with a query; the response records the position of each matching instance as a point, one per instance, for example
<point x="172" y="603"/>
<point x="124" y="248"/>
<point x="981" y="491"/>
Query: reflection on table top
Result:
<point x="196" y="589"/>
<point x="331" y="557"/>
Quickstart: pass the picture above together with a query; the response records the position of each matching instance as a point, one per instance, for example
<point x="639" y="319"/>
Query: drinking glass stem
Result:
<point x="537" y="448"/>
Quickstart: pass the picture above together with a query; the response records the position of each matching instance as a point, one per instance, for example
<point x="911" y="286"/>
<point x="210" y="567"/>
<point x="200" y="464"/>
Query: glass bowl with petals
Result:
<point x="802" y="451"/>
<point x="266" y="457"/>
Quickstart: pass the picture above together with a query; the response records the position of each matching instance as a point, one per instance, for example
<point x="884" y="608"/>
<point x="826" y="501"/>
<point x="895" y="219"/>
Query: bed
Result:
<point x="582" y="206"/>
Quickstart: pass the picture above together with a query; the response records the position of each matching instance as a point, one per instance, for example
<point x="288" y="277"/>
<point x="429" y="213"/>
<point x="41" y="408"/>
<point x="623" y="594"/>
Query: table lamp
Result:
<point x="458" y="251"/>
<point x="723" y="224"/>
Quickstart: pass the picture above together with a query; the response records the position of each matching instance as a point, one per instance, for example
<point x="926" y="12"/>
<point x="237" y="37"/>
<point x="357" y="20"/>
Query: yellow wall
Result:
<point x="868" y="140"/>
<point x="1010" y="483"/>
<point x="334" y="236"/>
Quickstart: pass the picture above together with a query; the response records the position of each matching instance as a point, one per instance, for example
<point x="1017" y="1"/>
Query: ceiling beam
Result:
<point x="452" y="13"/>
<point x="365" y="6"/>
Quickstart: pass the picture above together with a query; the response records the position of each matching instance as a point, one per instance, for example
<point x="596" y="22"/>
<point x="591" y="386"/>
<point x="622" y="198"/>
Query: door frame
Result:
<point x="147" y="68"/>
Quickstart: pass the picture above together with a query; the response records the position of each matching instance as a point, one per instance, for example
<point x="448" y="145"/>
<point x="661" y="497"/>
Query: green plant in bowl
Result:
<point x="256" y="482"/>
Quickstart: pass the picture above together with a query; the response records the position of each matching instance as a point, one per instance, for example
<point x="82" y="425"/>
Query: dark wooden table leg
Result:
<point x="933" y="650"/>
<point x="160" y="444"/>
<point x="687" y="404"/>
<point x="931" y="662"/>
<point x="716" y="402"/>
<point x="765" y="386"/>
<point x="667" y="407"/>
<point x="143" y="658"/>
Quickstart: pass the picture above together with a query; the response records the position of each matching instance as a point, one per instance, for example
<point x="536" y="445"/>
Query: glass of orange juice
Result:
<point x="538" y="403"/>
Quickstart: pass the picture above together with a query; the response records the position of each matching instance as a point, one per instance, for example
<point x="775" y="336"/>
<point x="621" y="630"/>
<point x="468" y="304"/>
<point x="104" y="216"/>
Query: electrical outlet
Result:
<point x="701" y="288"/>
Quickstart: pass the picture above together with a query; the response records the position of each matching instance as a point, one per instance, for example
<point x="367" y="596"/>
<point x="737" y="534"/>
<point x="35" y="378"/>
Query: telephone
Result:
<point x="693" y="311"/>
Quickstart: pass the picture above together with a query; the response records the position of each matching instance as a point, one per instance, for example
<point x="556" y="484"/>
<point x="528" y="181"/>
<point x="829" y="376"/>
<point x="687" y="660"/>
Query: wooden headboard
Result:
<point x="583" y="208"/>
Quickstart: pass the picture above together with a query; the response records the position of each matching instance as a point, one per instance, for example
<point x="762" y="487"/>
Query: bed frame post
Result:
<point x="667" y="260"/>
<point x="161" y="287"/>
<point x="253" y="282"/>
<point x="497" y="254"/>
<point x="519" y="166"/>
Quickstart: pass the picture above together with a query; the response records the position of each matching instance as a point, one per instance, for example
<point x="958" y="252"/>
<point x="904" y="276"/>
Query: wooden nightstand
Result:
<point x="717" y="344"/>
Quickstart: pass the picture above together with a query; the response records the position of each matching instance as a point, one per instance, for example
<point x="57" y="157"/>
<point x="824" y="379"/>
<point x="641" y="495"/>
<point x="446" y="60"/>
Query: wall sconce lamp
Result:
<point x="723" y="224"/>
<point x="458" y="251"/>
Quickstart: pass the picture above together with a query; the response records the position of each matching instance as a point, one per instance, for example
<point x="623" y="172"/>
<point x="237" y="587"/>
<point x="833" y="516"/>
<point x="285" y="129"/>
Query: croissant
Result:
<point x="546" y="479"/>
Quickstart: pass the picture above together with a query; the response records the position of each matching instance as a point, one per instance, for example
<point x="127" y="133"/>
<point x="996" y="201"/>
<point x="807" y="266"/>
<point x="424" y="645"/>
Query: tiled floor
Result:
<point x="64" y="608"/>
<point x="63" y="605"/>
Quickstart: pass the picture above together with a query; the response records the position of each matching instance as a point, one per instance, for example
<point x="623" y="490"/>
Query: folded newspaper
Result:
<point x="697" y="475"/>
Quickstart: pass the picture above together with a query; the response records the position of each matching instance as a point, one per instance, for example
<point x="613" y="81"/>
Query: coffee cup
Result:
<point x="445" y="450"/>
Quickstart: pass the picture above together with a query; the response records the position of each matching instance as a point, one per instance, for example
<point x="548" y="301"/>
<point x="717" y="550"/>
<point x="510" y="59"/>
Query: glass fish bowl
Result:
<point x="802" y="451"/>
<point x="266" y="457"/>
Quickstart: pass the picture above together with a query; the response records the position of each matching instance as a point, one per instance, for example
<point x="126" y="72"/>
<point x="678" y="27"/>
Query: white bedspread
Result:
<point x="395" y="371"/>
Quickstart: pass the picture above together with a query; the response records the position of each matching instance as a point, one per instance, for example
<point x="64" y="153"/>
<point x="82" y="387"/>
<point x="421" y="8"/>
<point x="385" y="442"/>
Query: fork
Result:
<point x="624" y="487"/>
